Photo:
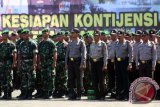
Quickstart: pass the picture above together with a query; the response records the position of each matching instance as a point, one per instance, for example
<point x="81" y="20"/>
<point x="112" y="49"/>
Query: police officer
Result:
<point x="7" y="61"/>
<point x="152" y="36"/>
<point x="28" y="57"/>
<point x="47" y="58"/>
<point x="157" y="69"/>
<point x="75" y="61"/>
<point x="123" y="52"/>
<point x="61" y="74"/>
<point x="111" y="62"/>
<point x="146" y="56"/>
<point x="98" y="57"/>
<point x="134" y="74"/>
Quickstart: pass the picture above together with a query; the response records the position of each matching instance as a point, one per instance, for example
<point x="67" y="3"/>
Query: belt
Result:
<point x="111" y="60"/>
<point x="74" y="59"/>
<point x="120" y="59"/>
<point x="145" y="61"/>
<point x="96" y="59"/>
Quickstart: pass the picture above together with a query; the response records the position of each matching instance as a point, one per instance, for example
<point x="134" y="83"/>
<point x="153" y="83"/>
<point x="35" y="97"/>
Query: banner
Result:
<point x="84" y="14"/>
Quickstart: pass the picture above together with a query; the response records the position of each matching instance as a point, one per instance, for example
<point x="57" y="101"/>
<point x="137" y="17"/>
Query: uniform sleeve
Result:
<point x="35" y="49"/>
<point x="105" y="54"/>
<point x="14" y="50"/>
<point x="83" y="53"/>
<point x="67" y="54"/>
<point x="154" y="56"/>
<point x="137" y="57"/>
<point x="130" y="52"/>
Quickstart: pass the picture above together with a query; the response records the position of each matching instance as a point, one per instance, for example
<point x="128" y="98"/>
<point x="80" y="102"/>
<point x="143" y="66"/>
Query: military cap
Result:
<point x="152" y="32"/>
<point x="39" y="35"/>
<point x="128" y="34"/>
<point x="45" y="30"/>
<point x="19" y="31"/>
<point x="60" y="33"/>
<point x="75" y="30"/>
<point x="120" y="32"/>
<point x="5" y="32"/>
<point x="25" y="31"/>
<point x="114" y="31"/>
<point x="145" y="33"/>
<point x="138" y="32"/>
<point x="54" y="36"/>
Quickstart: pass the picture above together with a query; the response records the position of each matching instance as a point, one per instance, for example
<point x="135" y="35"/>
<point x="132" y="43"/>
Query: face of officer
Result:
<point x="60" y="38"/>
<point x="5" y="37"/>
<point x="145" y="38"/>
<point x="113" y="37"/>
<point x="137" y="38"/>
<point x="121" y="37"/>
<point x="96" y="37"/>
<point x="74" y="35"/>
<point x="26" y="36"/>
<point x="45" y="35"/>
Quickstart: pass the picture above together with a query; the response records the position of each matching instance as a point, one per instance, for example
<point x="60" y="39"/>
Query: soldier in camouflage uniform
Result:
<point x="47" y="62"/>
<point x="87" y="80"/>
<point x="16" y="74"/>
<point x="61" y="74"/>
<point x="7" y="61"/>
<point x="28" y="56"/>
<point x="38" y="84"/>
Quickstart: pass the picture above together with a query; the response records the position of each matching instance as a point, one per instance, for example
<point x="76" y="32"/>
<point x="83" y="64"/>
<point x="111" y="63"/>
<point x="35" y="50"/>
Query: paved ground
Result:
<point x="63" y="102"/>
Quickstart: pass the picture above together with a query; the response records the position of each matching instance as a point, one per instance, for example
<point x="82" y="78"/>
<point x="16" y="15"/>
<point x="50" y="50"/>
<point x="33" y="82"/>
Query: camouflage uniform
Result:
<point x="46" y="48"/>
<point x="6" y="51"/>
<point x="61" y="74"/>
<point x="27" y="50"/>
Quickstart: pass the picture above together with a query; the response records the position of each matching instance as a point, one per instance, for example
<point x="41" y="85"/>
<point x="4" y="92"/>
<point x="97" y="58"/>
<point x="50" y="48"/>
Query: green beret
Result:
<point x="87" y="34"/>
<point x="60" y="33"/>
<point x="19" y="31"/>
<point x="25" y="31"/>
<point x="67" y="33"/>
<point x="5" y="32"/>
<point x="45" y="30"/>
<point x="54" y="36"/>
<point x="105" y="33"/>
<point x="39" y="35"/>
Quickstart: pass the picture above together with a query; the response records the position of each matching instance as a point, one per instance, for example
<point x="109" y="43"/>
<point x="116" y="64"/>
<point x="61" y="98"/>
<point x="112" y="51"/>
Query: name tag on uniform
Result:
<point x="143" y="62"/>
<point x="71" y="59"/>
<point x="119" y="59"/>
<point x="94" y="60"/>
<point x="112" y="60"/>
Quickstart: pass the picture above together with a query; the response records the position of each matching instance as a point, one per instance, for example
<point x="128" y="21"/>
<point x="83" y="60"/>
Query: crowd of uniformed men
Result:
<point x="68" y="64"/>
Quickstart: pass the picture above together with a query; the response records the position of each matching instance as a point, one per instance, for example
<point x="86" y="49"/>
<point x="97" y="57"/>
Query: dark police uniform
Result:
<point x="146" y="57"/>
<point x="123" y="51"/>
<point x="98" y="56"/>
<point x="75" y="56"/>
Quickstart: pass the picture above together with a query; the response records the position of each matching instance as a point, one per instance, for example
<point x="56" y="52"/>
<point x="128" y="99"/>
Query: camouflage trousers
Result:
<point x="6" y="76"/>
<point x="27" y="75"/>
<point x="47" y="77"/>
<point x="61" y="78"/>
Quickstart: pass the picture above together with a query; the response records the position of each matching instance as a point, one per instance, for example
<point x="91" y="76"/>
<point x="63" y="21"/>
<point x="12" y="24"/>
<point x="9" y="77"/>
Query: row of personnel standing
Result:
<point x="68" y="65"/>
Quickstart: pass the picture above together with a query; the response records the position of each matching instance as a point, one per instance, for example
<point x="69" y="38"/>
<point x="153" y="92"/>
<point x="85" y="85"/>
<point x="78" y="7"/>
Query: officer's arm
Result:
<point x="67" y="54"/>
<point x="14" y="56"/>
<point x="84" y="52"/>
<point x="130" y="50"/>
<point x="35" y="52"/>
<point x="137" y="57"/>
<point x="154" y="56"/>
<point x="105" y="54"/>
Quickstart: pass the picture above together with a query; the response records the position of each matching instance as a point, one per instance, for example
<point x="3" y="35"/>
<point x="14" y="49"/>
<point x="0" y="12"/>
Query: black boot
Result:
<point x="30" y="94"/>
<point x="24" y="96"/>
<point x="47" y="94"/>
<point x="9" y="97"/>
